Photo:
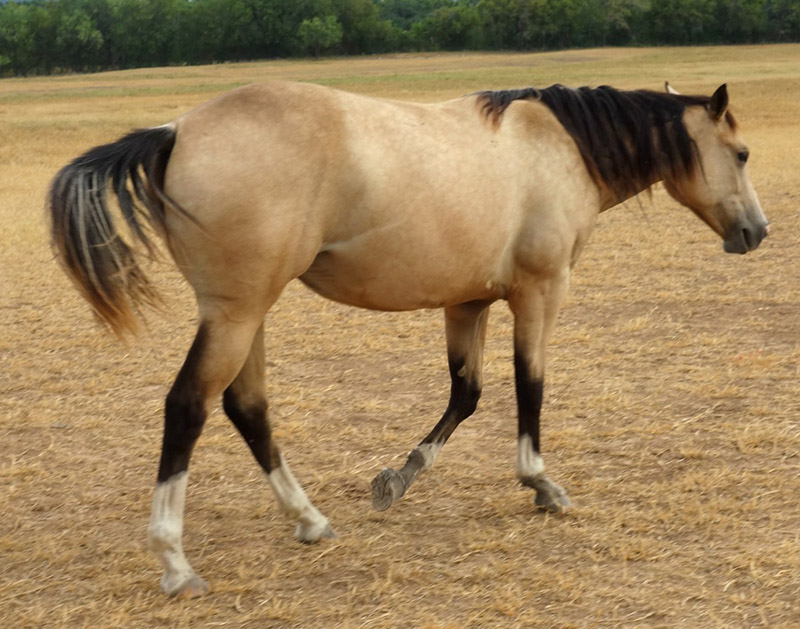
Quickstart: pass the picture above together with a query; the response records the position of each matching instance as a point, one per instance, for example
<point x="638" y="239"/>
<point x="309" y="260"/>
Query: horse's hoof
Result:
<point x="311" y="534"/>
<point x="193" y="587"/>
<point x="551" y="497"/>
<point x="387" y="487"/>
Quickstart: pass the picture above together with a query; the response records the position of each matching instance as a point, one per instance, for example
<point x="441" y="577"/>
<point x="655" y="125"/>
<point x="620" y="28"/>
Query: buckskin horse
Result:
<point x="383" y="205"/>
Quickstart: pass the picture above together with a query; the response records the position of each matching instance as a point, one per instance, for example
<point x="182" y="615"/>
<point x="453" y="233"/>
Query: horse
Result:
<point x="384" y="205"/>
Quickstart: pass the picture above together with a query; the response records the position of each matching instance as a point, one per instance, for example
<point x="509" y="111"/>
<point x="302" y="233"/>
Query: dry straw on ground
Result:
<point x="671" y="410"/>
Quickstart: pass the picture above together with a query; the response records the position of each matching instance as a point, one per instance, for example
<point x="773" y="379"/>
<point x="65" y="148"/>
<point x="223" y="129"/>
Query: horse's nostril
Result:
<point x="749" y="238"/>
<point x="753" y="236"/>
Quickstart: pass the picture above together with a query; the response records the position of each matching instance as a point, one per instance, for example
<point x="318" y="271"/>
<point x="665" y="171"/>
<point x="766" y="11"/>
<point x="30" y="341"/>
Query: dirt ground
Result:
<point x="672" y="414"/>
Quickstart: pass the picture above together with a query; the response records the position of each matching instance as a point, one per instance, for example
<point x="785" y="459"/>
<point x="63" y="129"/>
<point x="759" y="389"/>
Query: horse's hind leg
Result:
<point x="217" y="354"/>
<point x="465" y="327"/>
<point x="245" y="403"/>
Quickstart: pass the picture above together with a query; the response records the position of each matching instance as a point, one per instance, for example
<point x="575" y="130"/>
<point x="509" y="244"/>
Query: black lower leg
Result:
<point x="184" y="414"/>
<point x="464" y="397"/>
<point x="245" y="403"/>
<point x="466" y="332"/>
<point x="391" y="485"/>
<point x="251" y="422"/>
<point x="530" y="393"/>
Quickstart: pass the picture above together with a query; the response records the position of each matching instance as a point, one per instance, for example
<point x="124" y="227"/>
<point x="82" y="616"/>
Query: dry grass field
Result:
<point x="672" y="408"/>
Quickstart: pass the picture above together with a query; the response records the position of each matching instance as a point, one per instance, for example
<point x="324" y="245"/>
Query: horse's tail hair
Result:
<point x="85" y="237"/>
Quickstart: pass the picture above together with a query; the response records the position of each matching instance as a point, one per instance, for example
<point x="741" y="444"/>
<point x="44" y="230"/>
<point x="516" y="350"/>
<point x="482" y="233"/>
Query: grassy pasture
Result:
<point x="672" y="409"/>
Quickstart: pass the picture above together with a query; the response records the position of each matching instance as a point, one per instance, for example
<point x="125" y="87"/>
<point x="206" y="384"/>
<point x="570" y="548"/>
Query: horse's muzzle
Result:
<point x="744" y="236"/>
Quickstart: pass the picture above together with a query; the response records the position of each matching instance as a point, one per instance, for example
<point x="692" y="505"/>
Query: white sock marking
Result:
<point x="529" y="463"/>
<point x="166" y="529"/>
<point x="294" y="502"/>
<point x="429" y="451"/>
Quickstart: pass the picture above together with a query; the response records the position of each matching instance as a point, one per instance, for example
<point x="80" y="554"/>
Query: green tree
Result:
<point x="619" y="20"/>
<point x="222" y="30"/>
<point x="783" y="20"/>
<point x="101" y="14"/>
<point x="146" y="32"/>
<point x="17" y="37"/>
<point x="456" y="27"/>
<point x="59" y="35"/>
<point x="363" y="30"/>
<point x="318" y="35"/>
<point x="77" y="40"/>
<point x="405" y="13"/>
<point x="500" y="23"/>
<point x="273" y="27"/>
<point x="739" y="21"/>
<point x="679" y="21"/>
<point x="537" y="25"/>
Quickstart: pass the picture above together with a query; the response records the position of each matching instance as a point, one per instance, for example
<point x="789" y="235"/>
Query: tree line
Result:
<point x="47" y="36"/>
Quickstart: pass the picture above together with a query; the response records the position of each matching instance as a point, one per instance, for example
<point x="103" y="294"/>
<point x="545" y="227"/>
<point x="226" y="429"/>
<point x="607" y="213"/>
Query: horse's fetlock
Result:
<point x="163" y="536"/>
<point x="421" y="457"/>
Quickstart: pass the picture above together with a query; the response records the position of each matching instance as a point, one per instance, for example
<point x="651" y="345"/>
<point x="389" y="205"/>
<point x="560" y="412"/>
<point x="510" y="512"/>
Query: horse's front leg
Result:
<point x="535" y="305"/>
<point x="465" y="327"/>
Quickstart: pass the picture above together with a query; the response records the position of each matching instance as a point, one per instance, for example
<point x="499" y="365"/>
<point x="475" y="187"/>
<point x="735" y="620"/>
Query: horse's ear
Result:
<point x="669" y="89"/>
<point x="719" y="102"/>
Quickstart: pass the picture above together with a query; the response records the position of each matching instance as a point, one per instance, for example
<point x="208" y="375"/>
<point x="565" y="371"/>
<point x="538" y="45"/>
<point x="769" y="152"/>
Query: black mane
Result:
<point x="628" y="139"/>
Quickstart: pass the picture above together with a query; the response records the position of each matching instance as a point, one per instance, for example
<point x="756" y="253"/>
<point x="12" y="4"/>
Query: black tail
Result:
<point x="85" y="236"/>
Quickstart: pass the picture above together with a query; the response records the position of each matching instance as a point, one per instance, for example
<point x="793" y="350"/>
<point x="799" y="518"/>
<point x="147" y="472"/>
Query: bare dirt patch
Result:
<point x="671" y="411"/>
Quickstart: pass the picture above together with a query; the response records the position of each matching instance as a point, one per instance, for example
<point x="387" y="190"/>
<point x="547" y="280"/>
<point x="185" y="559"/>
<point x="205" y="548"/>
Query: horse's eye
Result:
<point x="743" y="155"/>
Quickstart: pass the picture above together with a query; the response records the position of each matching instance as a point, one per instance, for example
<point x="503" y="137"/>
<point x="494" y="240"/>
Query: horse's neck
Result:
<point x="608" y="199"/>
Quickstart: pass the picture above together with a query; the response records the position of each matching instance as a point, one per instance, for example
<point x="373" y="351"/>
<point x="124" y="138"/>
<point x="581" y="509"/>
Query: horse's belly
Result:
<point x="397" y="284"/>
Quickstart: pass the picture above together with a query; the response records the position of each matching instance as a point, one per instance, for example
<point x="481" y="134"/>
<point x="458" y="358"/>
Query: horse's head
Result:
<point x="719" y="190"/>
